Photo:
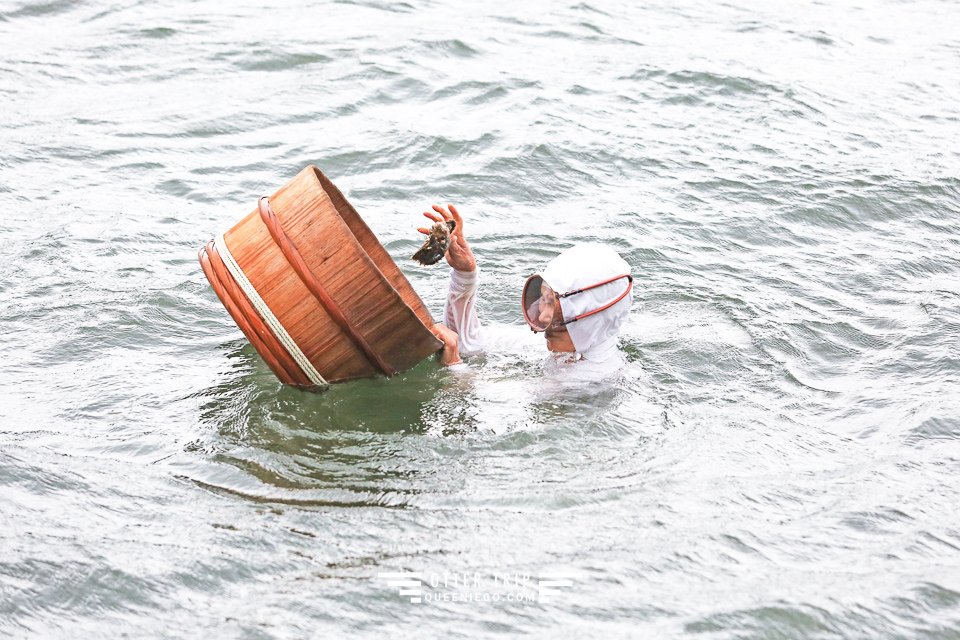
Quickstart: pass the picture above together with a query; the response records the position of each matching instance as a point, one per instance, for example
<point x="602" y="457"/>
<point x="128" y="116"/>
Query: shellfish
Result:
<point x="436" y="243"/>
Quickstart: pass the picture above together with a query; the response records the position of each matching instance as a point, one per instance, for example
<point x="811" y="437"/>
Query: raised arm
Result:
<point x="460" y="310"/>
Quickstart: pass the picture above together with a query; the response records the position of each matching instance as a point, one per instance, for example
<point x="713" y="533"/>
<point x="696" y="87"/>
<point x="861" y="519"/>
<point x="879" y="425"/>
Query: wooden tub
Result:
<point x="314" y="290"/>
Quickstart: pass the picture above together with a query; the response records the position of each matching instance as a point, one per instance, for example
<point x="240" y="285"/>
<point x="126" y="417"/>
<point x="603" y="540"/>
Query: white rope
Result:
<point x="261" y="306"/>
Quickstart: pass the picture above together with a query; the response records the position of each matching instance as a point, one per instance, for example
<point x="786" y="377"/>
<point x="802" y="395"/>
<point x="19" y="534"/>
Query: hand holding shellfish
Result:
<point x="446" y="238"/>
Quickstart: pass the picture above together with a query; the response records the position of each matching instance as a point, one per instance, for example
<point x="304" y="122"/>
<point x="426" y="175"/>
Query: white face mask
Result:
<point x="596" y="294"/>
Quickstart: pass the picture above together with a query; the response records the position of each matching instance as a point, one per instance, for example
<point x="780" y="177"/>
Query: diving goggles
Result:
<point x="541" y="304"/>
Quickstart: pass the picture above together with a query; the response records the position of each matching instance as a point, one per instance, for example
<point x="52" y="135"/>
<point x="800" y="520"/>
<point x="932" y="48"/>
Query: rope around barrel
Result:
<point x="243" y="313"/>
<point x="266" y="314"/>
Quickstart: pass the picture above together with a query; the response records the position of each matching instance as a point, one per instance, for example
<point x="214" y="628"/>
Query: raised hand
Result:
<point x="459" y="255"/>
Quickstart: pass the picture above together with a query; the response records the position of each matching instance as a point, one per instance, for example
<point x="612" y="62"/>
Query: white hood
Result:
<point x="582" y="265"/>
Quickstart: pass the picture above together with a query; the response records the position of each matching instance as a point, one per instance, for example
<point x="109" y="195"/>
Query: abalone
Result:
<point x="436" y="244"/>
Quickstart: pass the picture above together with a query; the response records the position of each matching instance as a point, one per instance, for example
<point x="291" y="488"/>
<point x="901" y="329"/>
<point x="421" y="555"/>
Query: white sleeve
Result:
<point x="460" y="311"/>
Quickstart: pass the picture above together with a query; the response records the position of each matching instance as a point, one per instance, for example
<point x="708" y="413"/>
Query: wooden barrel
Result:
<point x="314" y="290"/>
